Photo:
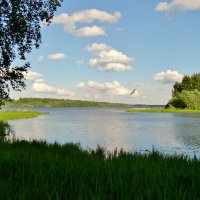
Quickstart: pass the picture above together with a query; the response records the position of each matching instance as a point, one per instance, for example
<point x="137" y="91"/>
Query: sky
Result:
<point x="102" y="50"/>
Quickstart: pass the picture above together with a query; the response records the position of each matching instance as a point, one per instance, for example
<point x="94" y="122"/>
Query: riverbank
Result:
<point x="37" y="170"/>
<point x="159" y="110"/>
<point x="19" y="114"/>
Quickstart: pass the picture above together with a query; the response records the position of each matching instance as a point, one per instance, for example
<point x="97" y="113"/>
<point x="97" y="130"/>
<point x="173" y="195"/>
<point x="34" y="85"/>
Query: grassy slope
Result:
<point x="162" y="110"/>
<point x="6" y="115"/>
<point x="47" y="102"/>
<point x="36" y="170"/>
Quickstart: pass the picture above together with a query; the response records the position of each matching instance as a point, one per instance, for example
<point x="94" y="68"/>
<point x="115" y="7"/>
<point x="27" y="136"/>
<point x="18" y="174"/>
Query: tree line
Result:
<point x="49" y="102"/>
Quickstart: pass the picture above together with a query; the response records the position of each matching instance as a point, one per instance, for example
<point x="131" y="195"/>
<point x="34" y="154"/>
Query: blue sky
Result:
<point x="102" y="50"/>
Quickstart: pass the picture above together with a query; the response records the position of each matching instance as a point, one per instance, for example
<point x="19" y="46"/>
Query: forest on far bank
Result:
<point x="48" y="102"/>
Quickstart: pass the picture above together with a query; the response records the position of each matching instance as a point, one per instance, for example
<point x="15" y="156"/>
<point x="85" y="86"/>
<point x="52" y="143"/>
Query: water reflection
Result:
<point x="111" y="128"/>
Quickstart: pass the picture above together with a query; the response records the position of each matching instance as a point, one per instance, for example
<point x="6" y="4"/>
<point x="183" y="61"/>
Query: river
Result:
<point x="114" y="128"/>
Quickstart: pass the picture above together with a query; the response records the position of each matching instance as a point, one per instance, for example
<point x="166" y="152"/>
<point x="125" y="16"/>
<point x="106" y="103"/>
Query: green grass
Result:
<point x="37" y="170"/>
<point x="162" y="110"/>
<point x="7" y="115"/>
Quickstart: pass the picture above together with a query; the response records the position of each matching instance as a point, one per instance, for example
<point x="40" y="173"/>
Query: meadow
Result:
<point x="37" y="170"/>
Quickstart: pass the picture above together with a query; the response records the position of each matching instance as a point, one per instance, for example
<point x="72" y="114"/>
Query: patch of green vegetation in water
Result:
<point x="19" y="114"/>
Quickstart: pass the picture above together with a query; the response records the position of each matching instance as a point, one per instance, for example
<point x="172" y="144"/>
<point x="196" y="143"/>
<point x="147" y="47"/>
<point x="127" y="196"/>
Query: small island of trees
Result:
<point x="186" y="94"/>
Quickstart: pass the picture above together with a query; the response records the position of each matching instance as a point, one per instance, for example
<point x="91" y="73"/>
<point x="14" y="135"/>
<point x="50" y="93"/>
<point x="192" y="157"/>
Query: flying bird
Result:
<point x="133" y="92"/>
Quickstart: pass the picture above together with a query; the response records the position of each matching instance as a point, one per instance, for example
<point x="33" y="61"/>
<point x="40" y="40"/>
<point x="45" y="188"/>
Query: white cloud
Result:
<point x="168" y="77"/>
<point x="96" y="48"/>
<point x="86" y="17"/>
<point x="182" y="5"/>
<point x="80" y="85"/>
<point x="90" y="31"/>
<point x="109" y="88"/>
<point x="41" y="87"/>
<point x="32" y="75"/>
<point x="57" y="56"/>
<point x="118" y="67"/>
<point x="105" y="58"/>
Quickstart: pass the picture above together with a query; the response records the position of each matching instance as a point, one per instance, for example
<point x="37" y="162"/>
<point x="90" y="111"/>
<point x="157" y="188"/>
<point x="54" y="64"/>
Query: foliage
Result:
<point x="186" y="99"/>
<point x="37" y="170"/>
<point x="188" y="83"/>
<point x="187" y="93"/>
<point x="4" y="129"/>
<point x="19" y="32"/>
<point x="47" y="102"/>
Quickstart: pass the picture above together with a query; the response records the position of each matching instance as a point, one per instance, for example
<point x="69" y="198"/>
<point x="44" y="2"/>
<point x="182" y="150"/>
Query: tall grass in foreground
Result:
<point x="37" y="170"/>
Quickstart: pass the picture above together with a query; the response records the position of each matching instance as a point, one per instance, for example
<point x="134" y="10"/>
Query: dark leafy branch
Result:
<point x="20" y="31"/>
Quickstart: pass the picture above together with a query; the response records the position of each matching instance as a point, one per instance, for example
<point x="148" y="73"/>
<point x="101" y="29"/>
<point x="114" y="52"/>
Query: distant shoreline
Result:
<point x="48" y="102"/>
<point x="162" y="110"/>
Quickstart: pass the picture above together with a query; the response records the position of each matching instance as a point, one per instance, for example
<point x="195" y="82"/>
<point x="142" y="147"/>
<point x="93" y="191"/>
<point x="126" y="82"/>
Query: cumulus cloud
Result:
<point x="105" y="58"/>
<point x="109" y="88"/>
<point x="57" y="56"/>
<point x="168" y="77"/>
<point x="90" y="31"/>
<point x="86" y="17"/>
<point x="80" y="85"/>
<point x="96" y="48"/>
<point x="41" y="87"/>
<point x="32" y="75"/>
<point x="182" y="5"/>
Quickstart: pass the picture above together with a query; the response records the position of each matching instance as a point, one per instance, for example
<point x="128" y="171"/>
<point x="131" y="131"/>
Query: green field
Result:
<point x="37" y="170"/>
<point x="7" y="115"/>
<point x="168" y="110"/>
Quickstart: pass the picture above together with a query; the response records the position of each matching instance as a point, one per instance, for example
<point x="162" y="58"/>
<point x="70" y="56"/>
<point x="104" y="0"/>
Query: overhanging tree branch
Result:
<point x="20" y="31"/>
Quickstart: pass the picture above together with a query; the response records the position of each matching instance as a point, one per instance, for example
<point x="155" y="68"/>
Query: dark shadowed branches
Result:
<point x="20" y="31"/>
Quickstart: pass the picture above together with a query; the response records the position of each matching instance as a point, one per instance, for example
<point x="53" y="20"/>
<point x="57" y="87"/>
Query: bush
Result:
<point x="185" y="99"/>
<point x="4" y="129"/>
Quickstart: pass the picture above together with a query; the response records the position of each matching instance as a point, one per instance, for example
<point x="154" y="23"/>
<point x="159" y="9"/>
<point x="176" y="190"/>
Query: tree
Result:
<point x="188" y="83"/>
<point x="20" y="31"/>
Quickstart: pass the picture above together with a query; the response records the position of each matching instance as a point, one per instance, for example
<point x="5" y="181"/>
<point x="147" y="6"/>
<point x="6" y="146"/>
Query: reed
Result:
<point x="38" y="170"/>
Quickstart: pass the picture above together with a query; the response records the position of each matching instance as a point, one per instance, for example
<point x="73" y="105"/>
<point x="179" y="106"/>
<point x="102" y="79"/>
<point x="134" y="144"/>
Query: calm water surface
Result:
<point x="111" y="128"/>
